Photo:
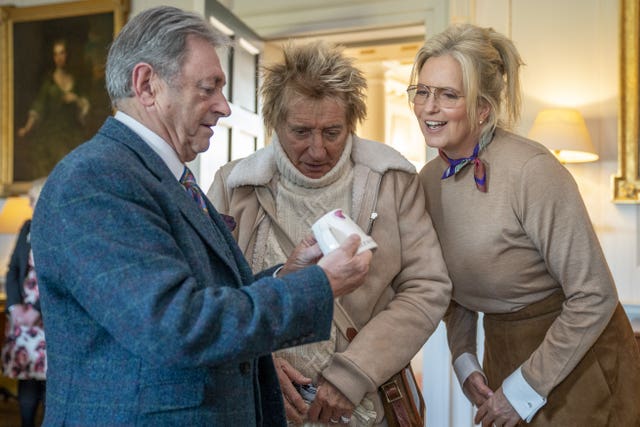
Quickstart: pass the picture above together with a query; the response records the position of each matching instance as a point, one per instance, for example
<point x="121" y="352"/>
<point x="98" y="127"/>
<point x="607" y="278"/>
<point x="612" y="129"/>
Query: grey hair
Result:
<point x="490" y="65"/>
<point x="158" y="37"/>
<point x="315" y="70"/>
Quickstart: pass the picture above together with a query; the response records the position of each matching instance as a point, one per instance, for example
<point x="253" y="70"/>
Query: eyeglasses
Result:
<point x="445" y="97"/>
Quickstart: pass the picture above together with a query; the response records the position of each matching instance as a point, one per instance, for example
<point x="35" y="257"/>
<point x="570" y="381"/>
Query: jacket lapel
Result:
<point x="210" y="228"/>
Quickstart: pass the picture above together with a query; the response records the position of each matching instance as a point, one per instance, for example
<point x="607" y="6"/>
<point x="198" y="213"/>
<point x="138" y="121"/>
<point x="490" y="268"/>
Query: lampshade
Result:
<point x="15" y="211"/>
<point x="564" y="132"/>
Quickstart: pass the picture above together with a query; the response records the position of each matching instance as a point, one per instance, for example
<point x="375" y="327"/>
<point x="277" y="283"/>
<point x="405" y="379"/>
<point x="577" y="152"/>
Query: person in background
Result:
<point x="520" y="248"/>
<point x="312" y="102"/>
<point x="24" y="354"/>
<point x="153" y="315"/>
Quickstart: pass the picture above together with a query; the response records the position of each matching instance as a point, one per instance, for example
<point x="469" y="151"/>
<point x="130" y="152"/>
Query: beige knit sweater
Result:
<point x="528" y="236"/>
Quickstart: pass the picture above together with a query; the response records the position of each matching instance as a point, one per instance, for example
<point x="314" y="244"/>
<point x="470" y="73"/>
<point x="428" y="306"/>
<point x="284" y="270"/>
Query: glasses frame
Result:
<point x="434" y="91"/>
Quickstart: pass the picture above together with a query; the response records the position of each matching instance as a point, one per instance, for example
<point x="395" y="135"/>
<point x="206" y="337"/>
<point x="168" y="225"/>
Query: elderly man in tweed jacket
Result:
<point x="152" y="315"/>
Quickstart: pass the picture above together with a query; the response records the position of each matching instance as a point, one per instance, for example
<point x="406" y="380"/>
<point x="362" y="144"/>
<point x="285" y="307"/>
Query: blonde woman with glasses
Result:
<point x="519" y="247"/>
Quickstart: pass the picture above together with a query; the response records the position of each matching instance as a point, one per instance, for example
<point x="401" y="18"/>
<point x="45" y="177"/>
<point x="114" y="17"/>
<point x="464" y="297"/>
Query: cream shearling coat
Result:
<point x="408" y="288"/>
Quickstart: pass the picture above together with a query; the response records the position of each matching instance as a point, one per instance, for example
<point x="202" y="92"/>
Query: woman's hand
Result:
<point x="330" y="405"/>
<point x="476" y="389"/>
<point x="497" y="411"/>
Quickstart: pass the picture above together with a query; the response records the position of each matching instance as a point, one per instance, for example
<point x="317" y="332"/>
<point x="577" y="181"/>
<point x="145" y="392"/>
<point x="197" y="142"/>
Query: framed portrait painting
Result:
<point x="52" y="83"/>
<point x="626" y="183"/>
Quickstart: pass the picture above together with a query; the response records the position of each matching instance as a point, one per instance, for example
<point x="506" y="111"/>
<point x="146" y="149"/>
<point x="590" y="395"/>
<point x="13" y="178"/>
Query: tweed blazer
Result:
<point x="152" y="315"/>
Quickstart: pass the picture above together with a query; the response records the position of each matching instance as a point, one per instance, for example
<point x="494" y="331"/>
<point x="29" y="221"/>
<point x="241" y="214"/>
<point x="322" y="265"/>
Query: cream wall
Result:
<point x="577" y="65"/>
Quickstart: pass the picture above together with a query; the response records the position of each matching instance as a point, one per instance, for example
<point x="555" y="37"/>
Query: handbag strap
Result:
<point x="265" y="198"/>
<point x="363" y="214"/>
<point x="343" y="321"/>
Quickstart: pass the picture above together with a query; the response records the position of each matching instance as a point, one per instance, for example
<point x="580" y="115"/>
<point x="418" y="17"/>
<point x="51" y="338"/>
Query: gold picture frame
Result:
<point x="626" y="183"/>
<point x="52" y="93"/>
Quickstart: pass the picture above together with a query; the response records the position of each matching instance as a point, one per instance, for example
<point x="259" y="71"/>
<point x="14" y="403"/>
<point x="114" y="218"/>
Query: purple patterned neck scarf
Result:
<point x="479" y="168"/>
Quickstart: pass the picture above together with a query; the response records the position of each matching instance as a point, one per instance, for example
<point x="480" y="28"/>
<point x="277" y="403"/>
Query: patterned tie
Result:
<point x="188" y="181"/>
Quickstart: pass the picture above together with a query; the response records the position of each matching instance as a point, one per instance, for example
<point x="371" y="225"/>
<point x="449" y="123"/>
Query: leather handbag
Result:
<point x="402" y="400"/>
<point x="401" y="396"/>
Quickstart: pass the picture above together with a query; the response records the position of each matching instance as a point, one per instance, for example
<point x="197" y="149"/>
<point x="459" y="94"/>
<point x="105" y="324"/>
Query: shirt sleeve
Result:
<point x="461" y="326"/>
<point x="465" y="365"/>
<point x="524" y="399"/>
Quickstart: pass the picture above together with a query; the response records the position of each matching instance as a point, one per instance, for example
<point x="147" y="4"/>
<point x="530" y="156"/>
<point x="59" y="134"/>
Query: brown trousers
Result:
<point x="602" y="390"/>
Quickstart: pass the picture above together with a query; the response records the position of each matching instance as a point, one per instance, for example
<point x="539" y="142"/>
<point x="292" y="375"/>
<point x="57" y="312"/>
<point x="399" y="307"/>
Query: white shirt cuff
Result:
<point x="465" y="365"/>
<point x="277" y="270"/>
<point x="524" y="399"/>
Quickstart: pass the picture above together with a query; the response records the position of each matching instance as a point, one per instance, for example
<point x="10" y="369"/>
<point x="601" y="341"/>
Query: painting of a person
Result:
<point x="55" y="121"/>
<point x="95" y="56"/>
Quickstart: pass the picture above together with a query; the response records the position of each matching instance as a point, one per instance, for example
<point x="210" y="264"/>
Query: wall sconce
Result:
<point x="564" y="132"/>
<point x="15" y="212"/>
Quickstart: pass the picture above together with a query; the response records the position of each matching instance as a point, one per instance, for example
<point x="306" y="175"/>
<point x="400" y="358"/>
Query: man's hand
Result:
<point x="306" y="254"/>
<point x="497" y="411"/>
<point x="330" y="405"/>
<point x="295" y="407"/>
<point x="476" y="389"/>
<point x="346" y="270"/>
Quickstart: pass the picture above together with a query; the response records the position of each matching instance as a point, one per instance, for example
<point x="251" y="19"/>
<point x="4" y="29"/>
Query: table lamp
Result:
<point x="564" y="132"/>
<point x="14" y="212"/>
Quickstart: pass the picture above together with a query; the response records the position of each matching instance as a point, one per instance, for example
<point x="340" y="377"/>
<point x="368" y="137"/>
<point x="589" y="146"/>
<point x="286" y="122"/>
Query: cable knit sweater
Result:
<point x="300" y="200"/>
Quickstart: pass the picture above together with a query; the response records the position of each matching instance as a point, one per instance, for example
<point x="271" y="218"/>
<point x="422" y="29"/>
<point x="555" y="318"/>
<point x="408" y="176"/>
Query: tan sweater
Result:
<point x="528" y="236"/>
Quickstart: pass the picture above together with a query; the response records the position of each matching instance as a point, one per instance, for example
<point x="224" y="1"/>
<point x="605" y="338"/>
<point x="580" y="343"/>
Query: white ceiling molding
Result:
<point x="291" y="18"/>
<point x="406" y="32"/>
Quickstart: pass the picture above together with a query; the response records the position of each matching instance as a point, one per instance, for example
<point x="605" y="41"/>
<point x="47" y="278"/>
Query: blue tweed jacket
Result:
<point x="152" y="316"/>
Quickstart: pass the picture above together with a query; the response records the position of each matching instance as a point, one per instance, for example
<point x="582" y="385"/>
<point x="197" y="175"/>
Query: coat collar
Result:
<point x="259" y="168"/>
